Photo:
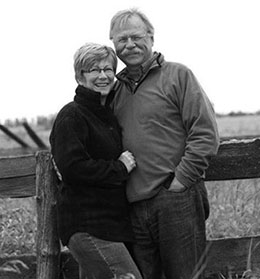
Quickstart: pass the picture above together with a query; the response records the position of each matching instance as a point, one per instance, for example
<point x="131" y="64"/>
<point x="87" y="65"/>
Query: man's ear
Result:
<point x="152" y="39"/>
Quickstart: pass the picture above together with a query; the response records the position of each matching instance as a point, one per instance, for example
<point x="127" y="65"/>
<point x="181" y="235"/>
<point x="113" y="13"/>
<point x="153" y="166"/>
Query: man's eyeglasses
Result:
<point x="98" y="71"/>
<point x="134" y="38"/>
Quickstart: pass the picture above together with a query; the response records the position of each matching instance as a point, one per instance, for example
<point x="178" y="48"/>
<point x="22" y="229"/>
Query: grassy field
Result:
<point x="235" y="209"/>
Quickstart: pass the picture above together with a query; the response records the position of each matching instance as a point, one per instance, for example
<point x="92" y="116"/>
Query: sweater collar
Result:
<point x="87" y="97"/>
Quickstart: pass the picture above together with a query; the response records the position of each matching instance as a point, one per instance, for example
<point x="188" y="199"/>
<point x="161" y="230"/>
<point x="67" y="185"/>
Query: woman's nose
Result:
<point x="102" y="74"/>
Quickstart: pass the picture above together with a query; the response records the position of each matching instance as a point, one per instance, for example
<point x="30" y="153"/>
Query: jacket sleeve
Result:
<point x="200" y="125"/>
<point x="68" y="147"/>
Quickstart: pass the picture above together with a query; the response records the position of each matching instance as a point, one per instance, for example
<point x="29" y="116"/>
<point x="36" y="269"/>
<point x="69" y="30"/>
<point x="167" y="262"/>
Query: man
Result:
<point x="168" y="123"/>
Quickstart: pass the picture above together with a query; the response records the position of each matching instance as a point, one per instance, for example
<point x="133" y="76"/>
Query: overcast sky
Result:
<point x="218" y="39"/>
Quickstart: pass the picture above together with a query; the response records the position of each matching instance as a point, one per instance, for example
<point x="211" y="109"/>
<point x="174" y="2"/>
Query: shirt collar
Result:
<point x="137" y="75"/>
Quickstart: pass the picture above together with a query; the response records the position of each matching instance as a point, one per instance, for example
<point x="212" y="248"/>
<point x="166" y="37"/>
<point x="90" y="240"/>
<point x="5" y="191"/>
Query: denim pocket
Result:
<point x="178" y="191"/>
<point x="167" y="183"/>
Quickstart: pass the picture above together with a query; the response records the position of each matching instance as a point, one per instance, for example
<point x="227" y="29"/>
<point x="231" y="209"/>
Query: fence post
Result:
<point x="47" y="245"/>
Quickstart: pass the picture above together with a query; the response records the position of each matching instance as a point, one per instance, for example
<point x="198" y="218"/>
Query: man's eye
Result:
<point x="122" y="40"/>
<point x="135" y="38"/>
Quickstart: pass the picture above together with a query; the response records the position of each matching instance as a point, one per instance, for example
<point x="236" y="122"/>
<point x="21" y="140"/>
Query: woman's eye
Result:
<point x="108" y="71"/>
<point x="94" y="71"/>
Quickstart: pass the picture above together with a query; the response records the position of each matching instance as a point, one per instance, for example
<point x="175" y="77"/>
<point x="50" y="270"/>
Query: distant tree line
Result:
<point x="47" y="121"/>
<point x="43" y="121"/>
<point x="237" y="113"/>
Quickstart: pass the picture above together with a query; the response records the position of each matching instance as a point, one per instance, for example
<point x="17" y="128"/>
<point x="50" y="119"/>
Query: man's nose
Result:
<point x="130" y="43"/>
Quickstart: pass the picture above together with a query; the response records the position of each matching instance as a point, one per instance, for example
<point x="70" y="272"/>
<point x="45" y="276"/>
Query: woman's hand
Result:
<point x="128" y="159"/>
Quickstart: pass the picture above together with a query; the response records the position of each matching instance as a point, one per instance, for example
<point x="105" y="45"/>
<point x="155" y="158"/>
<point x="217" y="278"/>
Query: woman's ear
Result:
<point x="80" y="79"/>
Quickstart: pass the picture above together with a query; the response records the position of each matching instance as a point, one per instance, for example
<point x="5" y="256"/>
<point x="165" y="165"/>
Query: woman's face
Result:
<point x="100" y="77"/>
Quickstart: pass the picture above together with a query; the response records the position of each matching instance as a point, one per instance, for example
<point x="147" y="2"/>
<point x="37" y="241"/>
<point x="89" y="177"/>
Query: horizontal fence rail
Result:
<point x="17" y="176"/>
<point x="236" y="159"/>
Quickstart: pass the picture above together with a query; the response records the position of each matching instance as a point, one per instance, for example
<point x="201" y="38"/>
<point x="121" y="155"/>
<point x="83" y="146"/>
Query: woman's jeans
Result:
<point x="170" y="232"/>
<point x="101" y="259"/>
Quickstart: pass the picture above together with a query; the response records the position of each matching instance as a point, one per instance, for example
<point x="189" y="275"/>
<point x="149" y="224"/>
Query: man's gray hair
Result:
<point x="121" y="17"/>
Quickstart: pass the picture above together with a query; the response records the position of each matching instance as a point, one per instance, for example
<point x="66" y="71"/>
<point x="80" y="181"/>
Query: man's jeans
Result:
<point x="101" y="259"/>
<point x="170" y="232"/>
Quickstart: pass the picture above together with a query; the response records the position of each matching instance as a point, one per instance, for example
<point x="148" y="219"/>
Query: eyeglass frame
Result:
<point x="135" y="38"/>
<point x="97" y="71"/>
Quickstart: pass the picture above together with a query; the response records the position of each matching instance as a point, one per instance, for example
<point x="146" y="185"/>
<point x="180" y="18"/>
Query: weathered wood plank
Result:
<point x="16" y="151"/>
<point x="17" y="176"/>
<point x="20" y="187"/>
<point x="48" y="244"/>
<point x="236" y="159"/>
<point x="17" y="166"/>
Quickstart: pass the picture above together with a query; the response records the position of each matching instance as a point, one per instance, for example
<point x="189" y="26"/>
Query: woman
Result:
<point x="86" y="145"/>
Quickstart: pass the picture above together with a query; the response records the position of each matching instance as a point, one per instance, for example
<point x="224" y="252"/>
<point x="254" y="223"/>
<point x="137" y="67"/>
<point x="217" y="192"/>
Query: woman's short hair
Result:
<point x="90" y="53"/>
<point x="121" y="17"/>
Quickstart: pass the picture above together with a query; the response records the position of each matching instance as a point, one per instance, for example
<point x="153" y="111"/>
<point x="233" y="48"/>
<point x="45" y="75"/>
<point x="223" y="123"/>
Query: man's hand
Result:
<point x="176" y="186"/>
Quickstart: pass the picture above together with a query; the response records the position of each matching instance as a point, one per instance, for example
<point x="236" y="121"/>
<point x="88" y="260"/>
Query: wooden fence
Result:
<point x="236" y="159"/>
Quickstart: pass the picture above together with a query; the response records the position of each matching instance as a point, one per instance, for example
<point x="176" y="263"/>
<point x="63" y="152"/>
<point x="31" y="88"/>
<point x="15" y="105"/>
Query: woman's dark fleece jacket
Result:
<point x="86" y="143"/>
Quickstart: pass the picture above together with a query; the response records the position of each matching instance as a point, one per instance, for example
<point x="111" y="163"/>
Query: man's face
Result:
<point x="132" y="43"/>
